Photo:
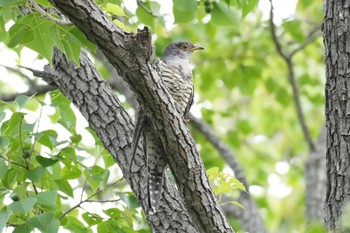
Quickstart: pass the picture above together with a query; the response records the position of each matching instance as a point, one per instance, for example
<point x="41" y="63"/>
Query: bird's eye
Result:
<point x="184" y="46"/>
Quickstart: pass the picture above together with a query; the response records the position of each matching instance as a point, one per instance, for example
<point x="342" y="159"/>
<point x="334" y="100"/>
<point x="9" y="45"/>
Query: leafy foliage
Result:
<point x="242" y="91"/>
<point x="40" y="170"/>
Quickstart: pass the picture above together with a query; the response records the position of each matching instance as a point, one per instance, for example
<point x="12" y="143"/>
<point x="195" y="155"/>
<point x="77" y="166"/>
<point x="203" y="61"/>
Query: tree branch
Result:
<point x="311" y="37"/>
<point x="291" y="78"/>
<point x="106" y="116"/>
<point x="131" y="55"/>
<point x="43" y="13"/>
<point x="249" y="217"/>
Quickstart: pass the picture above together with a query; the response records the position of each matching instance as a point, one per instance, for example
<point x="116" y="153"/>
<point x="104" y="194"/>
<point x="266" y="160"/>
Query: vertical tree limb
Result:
<point x="130" y="54"/>
<point x="337" y="52"/>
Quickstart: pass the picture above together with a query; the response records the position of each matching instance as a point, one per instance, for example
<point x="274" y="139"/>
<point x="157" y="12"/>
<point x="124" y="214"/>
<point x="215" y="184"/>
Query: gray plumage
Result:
<point x="176" y="74"/>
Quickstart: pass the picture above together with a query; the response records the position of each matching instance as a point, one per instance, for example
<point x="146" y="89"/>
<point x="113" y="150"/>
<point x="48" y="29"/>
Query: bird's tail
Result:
<point x="156" y="165"/>
<point x="155" y="181"/>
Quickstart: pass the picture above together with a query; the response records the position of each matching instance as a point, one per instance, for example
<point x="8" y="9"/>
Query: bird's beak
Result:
<point x="196" y="47"/>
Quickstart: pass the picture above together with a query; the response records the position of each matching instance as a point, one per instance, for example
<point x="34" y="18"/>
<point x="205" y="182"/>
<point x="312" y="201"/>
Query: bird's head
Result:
<point x="179" y="50"/>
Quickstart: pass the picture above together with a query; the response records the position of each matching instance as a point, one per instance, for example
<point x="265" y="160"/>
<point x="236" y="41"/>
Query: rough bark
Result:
<point x="106" y="116"/>
<point x="131" y="54"/>
<point x="315" y="178"/>
<point x="337" y="53"/>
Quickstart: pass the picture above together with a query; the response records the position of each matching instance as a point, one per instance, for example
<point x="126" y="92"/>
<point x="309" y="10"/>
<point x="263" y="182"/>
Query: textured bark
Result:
<point x="337" y="51"/>
<point x="315" y="178"/>
<point x="106" y="116"/>
<point x="131" y="54"/>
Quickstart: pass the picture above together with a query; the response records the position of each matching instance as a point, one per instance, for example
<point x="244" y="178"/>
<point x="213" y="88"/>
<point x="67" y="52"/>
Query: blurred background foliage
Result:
<point x="241" y="90"/>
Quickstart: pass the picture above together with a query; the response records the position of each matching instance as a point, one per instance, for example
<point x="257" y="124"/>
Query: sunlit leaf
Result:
<point x="121" y="25"/>
<point x="20" y="34"/>
<point x="248" y="6"/>
<point x="64" y="186"/>
<point x="115" y="9"/>
<point x="4" y="3"/>
<point x="129" y="199"/>
<point x="224" y="15"/>
<point x="213" y="173"/>
<point x="45" y="222"/>
<point x="184" y="10"/>
<point x="23" y="206"/>
<point x="46" y="162"/>
<point x="91" y="219"/>
<point x="36" y="174"/>
<point x="4" y="216"/>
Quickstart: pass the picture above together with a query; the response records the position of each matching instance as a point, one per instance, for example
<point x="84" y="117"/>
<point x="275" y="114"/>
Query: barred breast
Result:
<point x="180" y="85"/>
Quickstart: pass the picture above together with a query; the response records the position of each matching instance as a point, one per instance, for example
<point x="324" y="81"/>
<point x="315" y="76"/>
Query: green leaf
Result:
<point x="64" y="186"/>
<point x="13" y="124"/>
<point x="81" y="39"/>
<point x="74" y="225"/>
<point x="23" y="206"/>
<point x="143" y="16"/>
<point x="46" y="162"/>
<point x="4" y="217"/>
<point x="20" y="34"/>
<point x="47" y="198"/>
<point x="129" y="199"/>
<point x="22" y="100"/>
<point x="23" y="228"/>
<point x="10" y="178"/>
<point x="71" y="172"/>
<point x="112" y="226"/>
<point x="248" y="6"/>
<point x="47" y="138"/>
<point x="2" y="116"/>
<point x="213" y="173"/>
<point x="42" y="42"/>
<point x="237" y="204"/>
<point x="294" y="28"/>
<point x="113" y="213"/>
<point x="244" y="126"/>
<point x="44" y="3"/>
<point x="4" y="142"/>
<point x="91" y="219"/>
<point x="224" y="15"/>
<point x="3" y="166"/>
<point x="184" y="10"/>
<point x="115" y="9"/>
<point x="68" y="118"/>
<point x="121" y="25"/>
<point x="70" y="40"/>
<point x="45" y="222"/>
<point x="11" y="2"/>
<point x="97" y="177"/>
<point x="36" y="174"/>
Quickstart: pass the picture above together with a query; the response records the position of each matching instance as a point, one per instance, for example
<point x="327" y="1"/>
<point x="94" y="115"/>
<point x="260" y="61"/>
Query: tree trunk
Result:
<point x="131" y="54"/>
<point x="315" y="178"/>
<point x="337" y="51"/>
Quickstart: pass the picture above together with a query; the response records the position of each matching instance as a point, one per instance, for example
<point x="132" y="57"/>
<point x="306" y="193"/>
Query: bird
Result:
<point x="176" y="73"/>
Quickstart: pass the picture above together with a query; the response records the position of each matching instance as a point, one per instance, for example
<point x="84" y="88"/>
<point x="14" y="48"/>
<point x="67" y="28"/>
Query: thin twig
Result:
<point x="291" y="78"/>
<point x="103" y="201"/>
<point x="48" y="16"/>
<point x="88" y="199"/>
<point x="31" y="82"/>
<point x="311" y="37"/>
<point x="13" y="162"/>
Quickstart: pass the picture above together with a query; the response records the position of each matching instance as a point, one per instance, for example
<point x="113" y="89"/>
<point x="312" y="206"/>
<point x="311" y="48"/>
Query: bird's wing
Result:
<point x="189" y="105"/>
<point x="139" y="124"/>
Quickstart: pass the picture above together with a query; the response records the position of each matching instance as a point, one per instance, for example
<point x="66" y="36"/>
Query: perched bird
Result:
<point x="176" y="74"/>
